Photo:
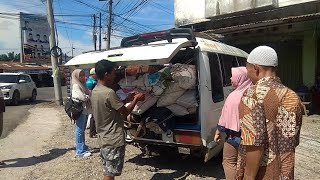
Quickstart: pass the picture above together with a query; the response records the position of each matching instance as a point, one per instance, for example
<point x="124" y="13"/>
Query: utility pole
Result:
<point x="21" y="38"/>
<point x="94" y="33"/>
<point x="54" y="59"/>
<point x="108" y="33"/>
<point x="72" y="50"/>
<point x="109" y="25"/>
<point x="100" y="32"/>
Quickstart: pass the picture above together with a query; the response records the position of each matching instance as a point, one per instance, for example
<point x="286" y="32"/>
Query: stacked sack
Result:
<point x="171" y="87"/>
<point x="180" y="96"/>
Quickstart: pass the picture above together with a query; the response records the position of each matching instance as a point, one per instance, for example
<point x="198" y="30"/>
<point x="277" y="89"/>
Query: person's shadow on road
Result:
<point x="182" y="168"/>
<point x="30" y="161"/>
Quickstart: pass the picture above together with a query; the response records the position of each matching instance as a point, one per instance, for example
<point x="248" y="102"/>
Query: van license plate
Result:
<point x="183" y="150"/>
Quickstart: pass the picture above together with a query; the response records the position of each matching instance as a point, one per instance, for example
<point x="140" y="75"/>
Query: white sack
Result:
<point x="143" y="106"/>
<point x="122" y="95"/>
<point x="184" y="75"/>
<point x="170" y="95"/>
<point x="188" y="99"/>
<point x="178" y="110"/>
<point x="192" y="110"/>
<point x="158" y="88"/>
<point x="126" y="83"/>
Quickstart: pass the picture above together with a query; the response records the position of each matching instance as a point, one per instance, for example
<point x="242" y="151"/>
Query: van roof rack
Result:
<point x="168" y="35"/>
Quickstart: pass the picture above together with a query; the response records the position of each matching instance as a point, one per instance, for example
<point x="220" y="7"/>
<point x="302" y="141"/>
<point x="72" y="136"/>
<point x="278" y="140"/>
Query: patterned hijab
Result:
<point x="75" y="80"/>
<point x="230" y="113"/>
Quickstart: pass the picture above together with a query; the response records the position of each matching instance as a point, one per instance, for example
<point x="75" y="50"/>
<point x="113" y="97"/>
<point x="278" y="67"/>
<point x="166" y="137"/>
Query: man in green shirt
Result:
<point x="109" y="113"/>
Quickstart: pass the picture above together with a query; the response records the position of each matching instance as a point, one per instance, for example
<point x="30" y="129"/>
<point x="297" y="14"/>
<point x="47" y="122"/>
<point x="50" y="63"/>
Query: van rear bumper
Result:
<point x="162" y="143"/>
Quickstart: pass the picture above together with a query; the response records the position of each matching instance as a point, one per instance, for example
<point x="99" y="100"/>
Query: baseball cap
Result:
<point x="263" y="56"/>
<point x="92" y="71"/>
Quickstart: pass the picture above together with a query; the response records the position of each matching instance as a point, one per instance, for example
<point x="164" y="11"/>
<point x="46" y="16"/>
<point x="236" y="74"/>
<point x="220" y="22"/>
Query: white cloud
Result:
<point x="10" y="35"/>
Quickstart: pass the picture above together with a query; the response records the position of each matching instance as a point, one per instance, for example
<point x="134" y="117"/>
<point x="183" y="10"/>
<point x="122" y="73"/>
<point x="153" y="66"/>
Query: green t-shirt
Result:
<point x="109" y="122"/>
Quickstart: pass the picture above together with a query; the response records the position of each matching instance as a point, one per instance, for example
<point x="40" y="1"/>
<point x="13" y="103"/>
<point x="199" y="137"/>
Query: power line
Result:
<point x="131" y="12"/>
<point x="77" y="24"/>
<point x="117" y="4"/>
<point x="29" y="14"/>
<point x="126" y="7"/>
<point x="165" y="9"/>
<point x="64" y="24"/>
<point x="133" y="8"/>
<point x="128" y="20"/>
<point x="75" y="28"/>
<point x="89" y="5"/>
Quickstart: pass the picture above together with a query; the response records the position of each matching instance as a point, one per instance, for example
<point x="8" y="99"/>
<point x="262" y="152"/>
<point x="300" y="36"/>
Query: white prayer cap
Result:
<point x="263" y="56"/>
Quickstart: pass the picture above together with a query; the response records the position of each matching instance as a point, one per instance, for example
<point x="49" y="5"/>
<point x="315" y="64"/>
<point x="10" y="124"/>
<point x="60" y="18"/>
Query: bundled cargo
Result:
<point x="169" y="87"/>
<point x="178" y="110"/>
<point x="133" y="82"/>
<point x="170" y="95"/>
<point x="184" y="75"/>
<point x="143" y="106"/>
<point x="188" y="99"/>
<point x="137" y="69"/>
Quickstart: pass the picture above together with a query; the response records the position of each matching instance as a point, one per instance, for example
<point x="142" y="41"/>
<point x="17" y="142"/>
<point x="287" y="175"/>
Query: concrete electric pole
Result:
<point x="109" y="25"/>
<point x="108" y="33"/>
<point x="54" y="59"/>
<point x="100" y="32"/>
<point x="94" y="33"/>
<point x="72" y="48"/>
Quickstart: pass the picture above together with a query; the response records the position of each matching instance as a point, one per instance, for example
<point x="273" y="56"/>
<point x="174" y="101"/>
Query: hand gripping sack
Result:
<point x="73" y="108"/>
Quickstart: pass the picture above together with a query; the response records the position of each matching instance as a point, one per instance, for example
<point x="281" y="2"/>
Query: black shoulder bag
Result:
<point x="73" y="108"/>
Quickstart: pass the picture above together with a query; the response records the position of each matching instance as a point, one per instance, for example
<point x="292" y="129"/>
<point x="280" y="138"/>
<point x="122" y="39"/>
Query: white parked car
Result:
<point x="17" y="86"/>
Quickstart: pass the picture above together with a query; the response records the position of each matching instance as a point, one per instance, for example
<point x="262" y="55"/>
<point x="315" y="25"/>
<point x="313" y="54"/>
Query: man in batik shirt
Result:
<point x="270" y="117"/>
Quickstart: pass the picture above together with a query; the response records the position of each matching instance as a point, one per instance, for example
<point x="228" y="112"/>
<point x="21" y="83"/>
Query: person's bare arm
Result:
<point x="253" y="161"/>
<point x="125" y="111"/>
<point x="129" y="98"/>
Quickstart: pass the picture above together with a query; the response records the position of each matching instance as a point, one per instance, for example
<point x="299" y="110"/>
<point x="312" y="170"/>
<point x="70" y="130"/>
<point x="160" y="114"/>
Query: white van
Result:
<point x="213" y="61"/>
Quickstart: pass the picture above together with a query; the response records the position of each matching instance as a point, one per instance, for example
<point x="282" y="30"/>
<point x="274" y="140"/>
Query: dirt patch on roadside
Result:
<point x="22" y="148"/>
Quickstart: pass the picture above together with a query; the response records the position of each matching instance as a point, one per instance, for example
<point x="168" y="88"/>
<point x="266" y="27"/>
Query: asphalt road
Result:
<point x="15" y="115"/>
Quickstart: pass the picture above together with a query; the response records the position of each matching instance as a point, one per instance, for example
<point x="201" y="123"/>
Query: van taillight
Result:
<point x="188" y="137"/>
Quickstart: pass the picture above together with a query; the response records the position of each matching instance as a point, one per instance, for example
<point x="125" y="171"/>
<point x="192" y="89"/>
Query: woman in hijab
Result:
<point x="81" y="93"/>
<point x="229" y="122"/>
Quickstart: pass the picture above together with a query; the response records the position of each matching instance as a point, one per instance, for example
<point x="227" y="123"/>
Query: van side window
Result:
<point x="216" y="78"/>
<point x="227" y="62"/>
<point x="242" y="61"/>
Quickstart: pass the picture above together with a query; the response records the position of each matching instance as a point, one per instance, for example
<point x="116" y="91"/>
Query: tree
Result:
<point x="3" y="57"/>
<point x="17" y="57"/>
<point x="10" y="56"/>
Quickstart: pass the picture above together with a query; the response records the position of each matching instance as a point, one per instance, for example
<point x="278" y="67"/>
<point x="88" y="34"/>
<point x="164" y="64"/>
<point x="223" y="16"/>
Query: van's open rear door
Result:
<point x="155" y="54"/>
<point x="156" y="48"/>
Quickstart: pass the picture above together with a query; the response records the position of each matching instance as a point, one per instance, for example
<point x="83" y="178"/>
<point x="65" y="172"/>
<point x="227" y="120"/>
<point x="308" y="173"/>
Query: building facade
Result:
<point x="292" y="27"/>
